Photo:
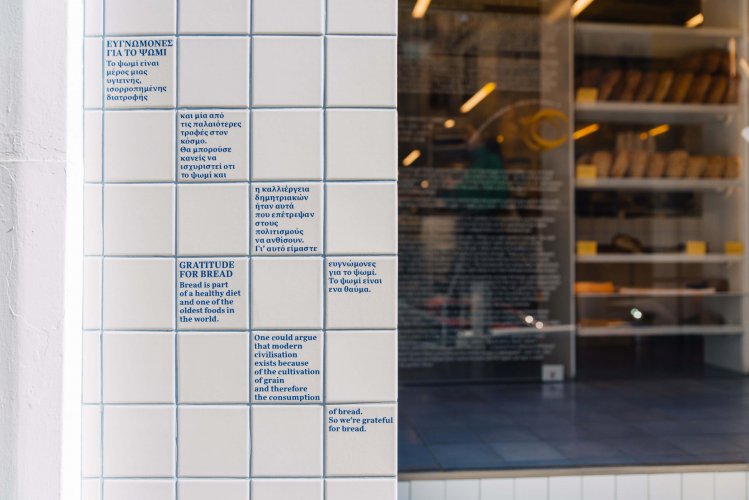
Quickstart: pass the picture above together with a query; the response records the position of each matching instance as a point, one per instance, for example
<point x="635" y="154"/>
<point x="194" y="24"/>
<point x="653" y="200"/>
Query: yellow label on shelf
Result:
<point x="734" y="248"/>
<point x="587" y="94"/>
<point x="587" y="248"/>
<point x="696" y="248"/>
<point x="586" y="172"/>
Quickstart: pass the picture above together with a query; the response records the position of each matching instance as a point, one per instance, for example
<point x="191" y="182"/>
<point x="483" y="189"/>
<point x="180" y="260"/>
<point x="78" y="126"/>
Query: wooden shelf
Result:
<point x="658" y="258"/>
<point x="657" y="41"/>
<point x="646" y="184"/>
<point x="636" y="331"/>
<point x="658" y="294"/>
<point x="651" y="113"/>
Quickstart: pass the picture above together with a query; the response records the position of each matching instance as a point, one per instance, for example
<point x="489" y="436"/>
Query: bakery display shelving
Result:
<point x="660" y="258"/>
<point x="652" y="113"/>
<point x="662" y="211"/>
<point x="662" y="184"/>
<point x="706" y="330"/>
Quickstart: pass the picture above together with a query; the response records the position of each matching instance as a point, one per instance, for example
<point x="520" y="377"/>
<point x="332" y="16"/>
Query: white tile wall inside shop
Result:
<point x="687" y="486"/>
<point x="240" y="306"/>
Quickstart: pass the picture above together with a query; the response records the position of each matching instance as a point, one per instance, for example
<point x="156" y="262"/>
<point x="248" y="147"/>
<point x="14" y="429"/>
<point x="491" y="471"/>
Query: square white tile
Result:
<point x="139" y="146"/>
<point x="288" y="16"/>
<point x="213" y="219"/>
<point x="213" y="294"/>
<point x="289" y="489"/>
<point x="632" y="487"/>
<point x="214" y="16"/>
<point x="214" y="71"/>
<point x="155" y="60"/>
<point x="130" y="489"/>
<point x="532" y="488"/>
<point x="287" y="292"/>
<point x="214" y="441"/>
<point x="429" y="490"/>
<point x="91" y="489"/>
<point x="273" y="384"/>
<point x="138" y="294"/>
<point x="138" y="367"/>
<point x="93" y="24"/>
<point x="404" y="490"/>
<point x="92" y="293"/>
<point x="93" y="82"/>
<point x="599" y="488"/>
<point x="730" y="486"/>
<point x="287" y="441"/>
<point x="287" y="144"/>
<point x="287" y="71"/>
<point x="566" y="488"/>
<point x="698" y="486"/>
<point x="92" y="147"/>
<point x="362" y="144"/>
<point x="664" y="486"/>
<point x="351" y="83"/>
<point x="139" y="441"/>
<point x="291" y="227"/>
<point x="368" y="447"/>
<point x="371" y="304"/>
<point x="226" y="489"/>
<point x="226" y="134"/>
<point x="363" y="17"/>
<point x="362" y="218"/>
<point x="361" y="366"/>
<point x="92" y="208"/>
<point x="139" y="219"/>
<point x="91" y="367"/>
<point x="214" y="367"/>
<point x="364" y="489"/>
<point x="462" y="489"/>
<point x="497" y="489"/>
<point x="91" y="441"/>
<point x="141" y="17"/>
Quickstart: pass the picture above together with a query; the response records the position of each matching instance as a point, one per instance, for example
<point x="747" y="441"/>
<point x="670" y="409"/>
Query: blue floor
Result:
<point x="634" y="422"/>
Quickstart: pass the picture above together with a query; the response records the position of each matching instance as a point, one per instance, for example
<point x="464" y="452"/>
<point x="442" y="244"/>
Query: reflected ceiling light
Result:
<point x="540" y="325"/>
<point x="659" y="130"/>
<point x="478" y="97"/>
<point x="411" y="158"/>
<point x="501" y="139"/>
<point x="449" y="123"/>
<point x="529" y="319"/>
<point x="695" y="21"/>
<point x="744" y="67"/>
<point x="424" y="184"/>
<point x="644" y="136"/>
<point x="420" y="8"/>
<point x="586" y="131"/>
<point x="579" y="6"/>
<point x="636" y="313"/>
<point x="732" y="57"/>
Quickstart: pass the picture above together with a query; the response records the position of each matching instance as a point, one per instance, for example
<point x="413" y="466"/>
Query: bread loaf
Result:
<point x="647" y="87"/>
<point x="602" y="160"/>
<point x="698" y="91"/>
<point x="638" y="163"/>
<point x="608" y="85"/>
<point x="676" y="167"/>
<point x="656" y="165"/>
<point x="680" y="88"/>
<point x="717" y="91"/>
<point x="733" y="167"/>
<point x="716" y="167"/>
<point x="663" y="87"/>
<point x="632" y="81"/>
<point x="621" y="164"/>
<point x="696" y="167"/>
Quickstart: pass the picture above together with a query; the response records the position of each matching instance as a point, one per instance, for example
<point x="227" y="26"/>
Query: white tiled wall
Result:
<point x="240" y="248"/>
<point x="674" y="486"/>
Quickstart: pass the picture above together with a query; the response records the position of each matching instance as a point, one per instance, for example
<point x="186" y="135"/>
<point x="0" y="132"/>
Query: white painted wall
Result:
<point x="33" y="161"/>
